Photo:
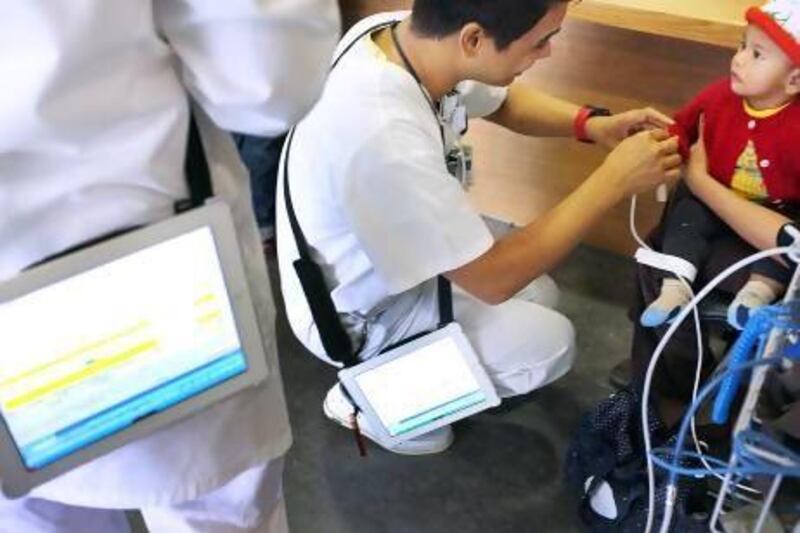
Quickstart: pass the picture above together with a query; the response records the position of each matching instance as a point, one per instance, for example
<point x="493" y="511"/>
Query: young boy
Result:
<point x="752" y="128"/>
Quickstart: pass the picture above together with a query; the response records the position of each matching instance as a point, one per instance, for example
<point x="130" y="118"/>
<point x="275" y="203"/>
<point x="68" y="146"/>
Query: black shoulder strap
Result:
<point x="445" y="290"/>
<point x="195" y="166"/>
<point x="334" y="337"/>
<point x="354" y="41"/>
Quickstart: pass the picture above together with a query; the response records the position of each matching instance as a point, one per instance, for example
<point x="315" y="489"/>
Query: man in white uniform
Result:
<point x="384" y="217"/>
<point x="94" y="109"/>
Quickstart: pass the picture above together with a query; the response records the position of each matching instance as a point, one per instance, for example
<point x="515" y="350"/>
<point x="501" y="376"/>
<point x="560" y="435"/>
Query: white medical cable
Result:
<point x="672" y="492"/>
<point x="700" y="354"/>
<point x="698" y="336"/>
<point x="692" y="306"/>
<point x="659" y="351"/>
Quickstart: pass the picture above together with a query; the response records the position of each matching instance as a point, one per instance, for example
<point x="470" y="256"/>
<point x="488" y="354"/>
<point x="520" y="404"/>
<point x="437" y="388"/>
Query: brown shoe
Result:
<point x="620" y="375"/>
<point x="270" y="248"/>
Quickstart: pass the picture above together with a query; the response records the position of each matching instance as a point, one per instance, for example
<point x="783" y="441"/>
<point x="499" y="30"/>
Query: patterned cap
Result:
<point x="780" y="19"/>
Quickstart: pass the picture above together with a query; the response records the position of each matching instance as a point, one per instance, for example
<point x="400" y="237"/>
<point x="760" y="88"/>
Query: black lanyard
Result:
<point x="411" y="70"/>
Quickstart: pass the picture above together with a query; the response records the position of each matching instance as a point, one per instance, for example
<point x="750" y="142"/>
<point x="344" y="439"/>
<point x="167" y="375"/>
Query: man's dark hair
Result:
<point x="504" y="20"/>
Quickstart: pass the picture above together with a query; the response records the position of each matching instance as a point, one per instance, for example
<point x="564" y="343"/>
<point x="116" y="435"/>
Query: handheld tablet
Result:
<point x="420" y="386"/>
<point x="110" y="343"/>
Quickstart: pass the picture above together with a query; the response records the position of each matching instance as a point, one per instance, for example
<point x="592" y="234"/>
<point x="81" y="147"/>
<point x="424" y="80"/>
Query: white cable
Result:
<point x="671" y="491"/>
<point x="692" y="306"/>
<point x="660" y="349"/>
<point x="698" y="336"/>
<point x="699" y="368"/>
<point x="669" y="508"/>
<point x="632" y="224"/>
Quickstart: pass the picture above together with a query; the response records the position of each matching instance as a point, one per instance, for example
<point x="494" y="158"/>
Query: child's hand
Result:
<point x="610" y="131"/>
<point x="697" y="168"/>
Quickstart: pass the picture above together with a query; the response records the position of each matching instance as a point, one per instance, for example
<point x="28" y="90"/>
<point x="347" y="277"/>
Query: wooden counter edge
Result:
<point x="663" y="24"/>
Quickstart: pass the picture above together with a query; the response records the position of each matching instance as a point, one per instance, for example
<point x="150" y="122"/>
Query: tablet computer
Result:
<point x="112" y="342"/>
<point x="420" y="386"/>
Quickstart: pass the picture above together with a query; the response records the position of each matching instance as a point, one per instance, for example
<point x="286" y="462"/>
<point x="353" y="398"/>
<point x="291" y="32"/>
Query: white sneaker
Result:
<point x="338" y="408"/>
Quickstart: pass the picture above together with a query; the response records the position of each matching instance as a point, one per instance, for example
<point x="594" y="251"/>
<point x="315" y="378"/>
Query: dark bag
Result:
<point x="606" y="470"/>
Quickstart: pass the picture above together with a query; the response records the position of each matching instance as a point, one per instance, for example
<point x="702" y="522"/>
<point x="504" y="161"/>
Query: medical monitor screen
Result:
<point x="88" y="356"/>
<point x="420" y="387"/>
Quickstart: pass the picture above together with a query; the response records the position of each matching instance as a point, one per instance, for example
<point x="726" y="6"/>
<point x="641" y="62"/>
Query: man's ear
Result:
<point x="793" y="82"/>
<point x="472" y="39"/>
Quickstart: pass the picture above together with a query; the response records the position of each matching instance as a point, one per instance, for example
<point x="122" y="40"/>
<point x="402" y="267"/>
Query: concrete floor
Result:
<point x="504" y="471"/>
<point x="503" y="474"/>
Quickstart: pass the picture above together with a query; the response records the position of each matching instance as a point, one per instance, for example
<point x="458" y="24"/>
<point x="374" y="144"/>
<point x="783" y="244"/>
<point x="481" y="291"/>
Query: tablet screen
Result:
<point x="422" y="386"/>
<point x="88" y="356"/>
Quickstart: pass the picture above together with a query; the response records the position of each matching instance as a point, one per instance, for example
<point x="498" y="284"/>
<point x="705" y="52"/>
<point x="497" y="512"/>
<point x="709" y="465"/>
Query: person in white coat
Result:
<point x="384" y="218"/>
<point x="94" y="113"/>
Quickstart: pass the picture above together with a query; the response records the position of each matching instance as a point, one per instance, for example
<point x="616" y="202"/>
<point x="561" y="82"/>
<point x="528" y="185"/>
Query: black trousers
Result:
<point x="674" y="375"/>
<point x="691" y="228"/>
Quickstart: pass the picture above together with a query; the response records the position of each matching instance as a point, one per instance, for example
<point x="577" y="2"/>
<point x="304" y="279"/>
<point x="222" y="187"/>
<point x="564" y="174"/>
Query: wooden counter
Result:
<point x="717" y="22"/>
<point x="620" y="54"/>
<point x="519" y="178"/>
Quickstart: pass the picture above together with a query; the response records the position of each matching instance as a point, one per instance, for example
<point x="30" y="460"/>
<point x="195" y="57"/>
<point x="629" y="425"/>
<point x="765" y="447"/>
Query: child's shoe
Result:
<point x="674" y="295"/>
<point x="753" y="295"/>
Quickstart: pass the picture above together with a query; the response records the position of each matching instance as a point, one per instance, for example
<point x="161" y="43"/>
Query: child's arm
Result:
<point x="754" y="223"/>
<point x="687" y="119"/>
<point x="685" y="128"/>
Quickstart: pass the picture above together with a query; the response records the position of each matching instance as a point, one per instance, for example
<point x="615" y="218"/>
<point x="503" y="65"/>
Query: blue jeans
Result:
<point x="261" y="156"/>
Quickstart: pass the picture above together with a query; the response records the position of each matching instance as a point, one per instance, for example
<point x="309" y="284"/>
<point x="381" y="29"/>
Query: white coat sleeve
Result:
<point x="255" y="66"/>
<point x="480" y="99"/>
<point x="411" y="216"/>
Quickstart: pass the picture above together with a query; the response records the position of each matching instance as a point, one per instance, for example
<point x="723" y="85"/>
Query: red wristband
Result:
<point x="584" y="114"/>
<point x="579" y="126"/>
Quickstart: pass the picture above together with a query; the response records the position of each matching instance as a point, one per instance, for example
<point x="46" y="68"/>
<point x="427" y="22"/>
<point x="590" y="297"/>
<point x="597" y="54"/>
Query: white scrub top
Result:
<point x="93" y="127"/>
<point x="372" y="192"/>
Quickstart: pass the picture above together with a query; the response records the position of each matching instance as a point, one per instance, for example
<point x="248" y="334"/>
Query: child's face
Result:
<point x="760" y="70"/>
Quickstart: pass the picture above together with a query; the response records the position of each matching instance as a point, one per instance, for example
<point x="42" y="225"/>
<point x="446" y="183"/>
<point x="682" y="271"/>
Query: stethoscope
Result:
<point x="453" y="107"/>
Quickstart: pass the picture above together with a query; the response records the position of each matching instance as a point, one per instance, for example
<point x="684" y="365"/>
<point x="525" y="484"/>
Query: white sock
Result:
<point x="674" y="295"/>
<point x="753" y="295"/>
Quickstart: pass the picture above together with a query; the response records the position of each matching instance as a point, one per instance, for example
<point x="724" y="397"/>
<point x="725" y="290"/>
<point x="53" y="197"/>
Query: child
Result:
<point x="752" y="136"/>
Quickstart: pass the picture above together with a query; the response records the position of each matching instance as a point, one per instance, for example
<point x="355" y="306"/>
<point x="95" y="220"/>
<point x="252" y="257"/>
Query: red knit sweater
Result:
<point x="729" y="129"/>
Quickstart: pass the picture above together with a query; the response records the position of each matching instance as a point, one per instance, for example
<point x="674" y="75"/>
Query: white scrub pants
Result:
<point x="251" y="502"/>
<point x="523" y="343"/>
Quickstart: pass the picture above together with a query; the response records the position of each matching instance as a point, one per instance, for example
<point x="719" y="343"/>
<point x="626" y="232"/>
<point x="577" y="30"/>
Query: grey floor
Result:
<point x="504" y="471"/>
<point x="503" y="474"/>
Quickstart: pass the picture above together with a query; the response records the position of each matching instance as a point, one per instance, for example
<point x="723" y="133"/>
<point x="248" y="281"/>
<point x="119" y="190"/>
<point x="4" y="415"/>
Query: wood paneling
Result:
<point x="519" y="178"/>
<point x="354" y="10"/>
<point x="718" y="22"/>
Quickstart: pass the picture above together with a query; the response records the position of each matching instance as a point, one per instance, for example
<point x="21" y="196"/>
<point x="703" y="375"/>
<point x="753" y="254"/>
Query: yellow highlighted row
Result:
<point x="209" y="317"/>
<point x="81" y="350"/>
<point x="97" y="366"/>
<point x="206" y="298"/>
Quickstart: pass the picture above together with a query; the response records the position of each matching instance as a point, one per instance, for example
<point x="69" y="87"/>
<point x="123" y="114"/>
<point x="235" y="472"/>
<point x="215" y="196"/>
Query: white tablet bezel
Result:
<point x="16" y="479"/>
<point x="452" y="330"/>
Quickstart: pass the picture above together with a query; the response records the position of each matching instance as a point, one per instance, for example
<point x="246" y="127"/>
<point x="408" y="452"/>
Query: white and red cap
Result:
<point x="780" y="19"/>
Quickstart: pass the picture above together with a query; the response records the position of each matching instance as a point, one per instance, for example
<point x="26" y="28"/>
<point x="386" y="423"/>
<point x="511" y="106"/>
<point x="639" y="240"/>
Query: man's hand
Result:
<point x="643" y="161"/>
<point x="610" y="131"/>
<point x="697" y="168"/>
